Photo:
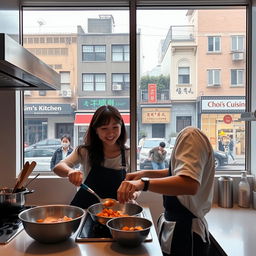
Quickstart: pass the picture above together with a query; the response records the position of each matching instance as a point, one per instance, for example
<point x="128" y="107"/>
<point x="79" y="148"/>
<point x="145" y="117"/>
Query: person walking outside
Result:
<point x="231" y="147"/>
<point x="157" y="156"/>
<point x="63" y="151"/>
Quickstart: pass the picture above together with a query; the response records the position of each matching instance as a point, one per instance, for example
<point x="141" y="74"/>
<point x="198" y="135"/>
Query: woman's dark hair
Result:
<point x="65" y="136"/>
<point x="92" y="142"/>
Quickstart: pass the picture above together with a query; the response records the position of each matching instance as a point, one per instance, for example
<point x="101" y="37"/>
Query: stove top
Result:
<point x="92" y="231"/>
<point x="10" y="225"/>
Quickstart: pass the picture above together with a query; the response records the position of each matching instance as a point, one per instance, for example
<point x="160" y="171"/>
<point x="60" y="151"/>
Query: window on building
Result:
<point x="120" y="82"/>
<point x="213" y="77"/>
<point x="94" y="82"/>
<point x="93" y="52"/>
<point x="237" y="43"/>
<point x="237" y="77"/>
<point x="120" y="53"/>
<point x="65" y="79"/>
<point x="182" y="122"/>
<point x="214" y="44"/>
<point x="183" y="75"/>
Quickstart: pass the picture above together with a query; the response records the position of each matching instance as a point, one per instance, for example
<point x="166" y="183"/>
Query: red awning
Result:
<point x="85" y="119"/>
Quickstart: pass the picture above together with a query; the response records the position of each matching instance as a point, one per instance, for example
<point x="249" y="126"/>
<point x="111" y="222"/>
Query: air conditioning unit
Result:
<point x="66" y="93"/>
<point x="237" y="56"/>
<point x="116" y="87"/>
<point x="27" y="93"/>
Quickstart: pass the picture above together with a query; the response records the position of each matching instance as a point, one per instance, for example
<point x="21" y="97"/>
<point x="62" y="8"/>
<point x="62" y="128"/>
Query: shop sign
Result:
<point x="94" y="103"/>
<point x="152" y="95"/>
<point x="223" y="105"/>
<point x="227" y="119"/>
<point x="156" y="115"/>
<point x="48" y="109"/>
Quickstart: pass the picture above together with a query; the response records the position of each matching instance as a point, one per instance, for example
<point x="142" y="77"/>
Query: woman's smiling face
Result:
<point x="109" y="133"/>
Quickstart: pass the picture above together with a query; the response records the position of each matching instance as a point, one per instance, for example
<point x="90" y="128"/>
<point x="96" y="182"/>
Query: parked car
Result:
<point x="42" y="156"/>
<point x="146" y="146"/>
<point x="47" y="143"/>
<point x="221" y="158"/>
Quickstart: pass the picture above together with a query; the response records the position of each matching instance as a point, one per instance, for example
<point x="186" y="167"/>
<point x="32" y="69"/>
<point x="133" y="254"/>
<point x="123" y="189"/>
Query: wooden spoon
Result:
<point x="21" y="175"/>
<point x="27" y="173"/>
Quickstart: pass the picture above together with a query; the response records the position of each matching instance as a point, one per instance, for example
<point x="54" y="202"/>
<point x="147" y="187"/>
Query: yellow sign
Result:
<point x="156" y="115"/>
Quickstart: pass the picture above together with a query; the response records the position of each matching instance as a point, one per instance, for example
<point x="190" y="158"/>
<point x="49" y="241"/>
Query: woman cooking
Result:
<point x="104" y="158"/>
<point x="187" y="189"/>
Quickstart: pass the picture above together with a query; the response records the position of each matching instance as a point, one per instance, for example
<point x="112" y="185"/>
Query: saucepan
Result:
<point x="10" y="201"/>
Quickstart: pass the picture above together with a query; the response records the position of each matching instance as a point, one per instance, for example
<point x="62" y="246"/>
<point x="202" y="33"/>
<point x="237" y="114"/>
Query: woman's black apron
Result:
<point x="104" y="181"/>
<point x="183" y="239"/>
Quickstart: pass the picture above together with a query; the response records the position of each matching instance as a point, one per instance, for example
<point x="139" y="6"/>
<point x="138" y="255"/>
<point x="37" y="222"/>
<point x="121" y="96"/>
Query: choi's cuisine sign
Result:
<point x="223" y="104"/>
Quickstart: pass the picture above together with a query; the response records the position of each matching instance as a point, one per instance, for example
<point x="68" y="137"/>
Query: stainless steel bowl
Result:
<point x="129" y="238"/>
<point x="128" y="208"/>
<point x="51" y="232"/>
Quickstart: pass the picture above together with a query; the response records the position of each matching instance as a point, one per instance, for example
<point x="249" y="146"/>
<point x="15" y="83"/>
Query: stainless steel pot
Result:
<point x="13" y="201"/>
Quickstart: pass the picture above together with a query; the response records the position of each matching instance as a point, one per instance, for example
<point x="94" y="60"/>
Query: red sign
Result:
<point x="152" y="93"/>
<point x="227" y="119"/>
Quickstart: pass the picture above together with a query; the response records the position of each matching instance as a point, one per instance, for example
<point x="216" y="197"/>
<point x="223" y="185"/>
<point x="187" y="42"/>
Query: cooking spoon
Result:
<point x="106" y="201"/>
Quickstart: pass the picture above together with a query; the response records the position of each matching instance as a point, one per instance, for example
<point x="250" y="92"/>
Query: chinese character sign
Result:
<point x="152" y="96"/>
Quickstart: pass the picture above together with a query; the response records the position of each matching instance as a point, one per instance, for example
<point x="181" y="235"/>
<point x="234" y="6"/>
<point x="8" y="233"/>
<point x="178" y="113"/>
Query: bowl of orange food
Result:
<point x="51" y="223"/>
<point x="103" y="214"/>
<point x="129" y="231"/>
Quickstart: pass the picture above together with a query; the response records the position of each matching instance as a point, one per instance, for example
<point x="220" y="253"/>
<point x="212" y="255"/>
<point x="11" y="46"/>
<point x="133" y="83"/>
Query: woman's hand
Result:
<point x="127" y="190"/>
<point x="75" y="177"/>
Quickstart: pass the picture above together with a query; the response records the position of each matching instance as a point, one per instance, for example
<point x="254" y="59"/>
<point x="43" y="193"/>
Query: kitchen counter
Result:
<point x="24" y="245"/>
<point x="233" y="229"/>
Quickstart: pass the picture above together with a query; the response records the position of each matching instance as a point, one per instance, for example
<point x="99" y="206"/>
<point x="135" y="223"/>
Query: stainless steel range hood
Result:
<point x="21" y="70"/>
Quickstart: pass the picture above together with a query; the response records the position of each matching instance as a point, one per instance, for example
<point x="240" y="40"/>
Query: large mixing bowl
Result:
<point x="128" y="208"/>
<point x="129" y="238"/>
<point x="51" y="232"/>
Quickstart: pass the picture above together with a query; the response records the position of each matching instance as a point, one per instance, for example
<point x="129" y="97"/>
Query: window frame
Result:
<point x="250" y="74"/>
<point x="124" y="54"/>
<point x="237" y="77"/>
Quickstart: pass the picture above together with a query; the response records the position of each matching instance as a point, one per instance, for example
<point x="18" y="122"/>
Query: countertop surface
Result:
<point x="24" y="245"/>
<point x="233" y="229"/>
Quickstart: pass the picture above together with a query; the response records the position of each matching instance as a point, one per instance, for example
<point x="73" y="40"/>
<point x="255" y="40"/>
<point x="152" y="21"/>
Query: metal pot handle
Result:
<point x="29" y="191"/>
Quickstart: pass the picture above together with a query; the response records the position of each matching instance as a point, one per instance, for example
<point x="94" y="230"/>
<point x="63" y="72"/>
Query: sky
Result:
<point x="153" y="26"/>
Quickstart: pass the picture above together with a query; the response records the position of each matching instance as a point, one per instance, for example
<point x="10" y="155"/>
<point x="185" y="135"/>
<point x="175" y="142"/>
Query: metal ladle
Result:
<point x="104" y="201"/>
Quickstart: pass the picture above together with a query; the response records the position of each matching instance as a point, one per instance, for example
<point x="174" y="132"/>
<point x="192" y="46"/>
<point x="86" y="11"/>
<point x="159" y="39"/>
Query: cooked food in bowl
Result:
<point x="51" y="232"/>
<point x="127" y="209"/>
<point x="52" y="219"/>
<point x="110" y="213"/>
<point x="125" y="228"/>
<point x="138" y="230"/>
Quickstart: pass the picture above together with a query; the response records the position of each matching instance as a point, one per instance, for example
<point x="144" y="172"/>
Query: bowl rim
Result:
<point x="125" y="217"/>
<point x="49" y="206"/>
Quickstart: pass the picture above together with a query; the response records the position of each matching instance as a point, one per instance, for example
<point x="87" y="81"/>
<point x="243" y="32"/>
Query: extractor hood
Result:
<point x="21" y="70"/>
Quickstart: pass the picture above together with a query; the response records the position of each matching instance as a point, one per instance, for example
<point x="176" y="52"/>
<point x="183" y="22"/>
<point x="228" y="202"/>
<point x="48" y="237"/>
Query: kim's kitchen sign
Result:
<point x="224" y="104"/>
<point x="48" y="109"/>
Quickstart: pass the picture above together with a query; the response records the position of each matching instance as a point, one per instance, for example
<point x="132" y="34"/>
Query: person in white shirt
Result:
<point x="187" y="189"/>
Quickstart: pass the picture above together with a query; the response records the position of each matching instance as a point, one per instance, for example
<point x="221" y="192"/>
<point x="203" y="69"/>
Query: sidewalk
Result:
<point x="239" y="160"/>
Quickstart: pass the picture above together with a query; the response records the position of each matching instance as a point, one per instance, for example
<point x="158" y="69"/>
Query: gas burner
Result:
<point x="10" y="224"/>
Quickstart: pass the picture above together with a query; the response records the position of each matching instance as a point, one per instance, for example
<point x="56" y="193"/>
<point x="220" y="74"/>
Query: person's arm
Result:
<point x="65" y="169"/>
<point x="53" y="160"/>
<point x="172" y="185"/>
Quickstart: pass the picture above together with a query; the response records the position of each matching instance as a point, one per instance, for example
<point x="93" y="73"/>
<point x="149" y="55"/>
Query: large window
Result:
<point x="190" y="70"/>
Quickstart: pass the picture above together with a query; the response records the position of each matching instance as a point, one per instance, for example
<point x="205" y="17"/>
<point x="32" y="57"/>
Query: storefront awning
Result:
<point x="85" y="119"/>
